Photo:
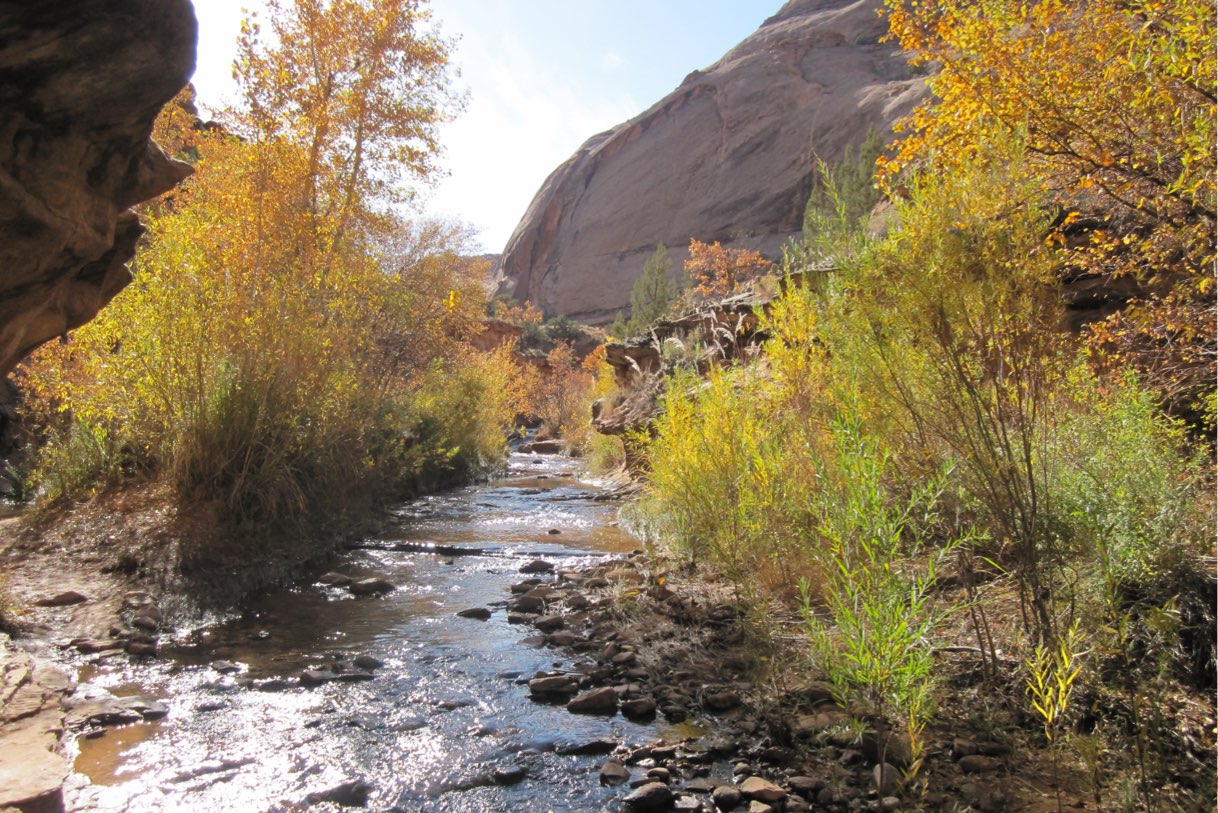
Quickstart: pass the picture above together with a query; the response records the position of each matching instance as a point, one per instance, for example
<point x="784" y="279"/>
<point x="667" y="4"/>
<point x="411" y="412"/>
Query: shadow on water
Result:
<point x="440" y="717"/>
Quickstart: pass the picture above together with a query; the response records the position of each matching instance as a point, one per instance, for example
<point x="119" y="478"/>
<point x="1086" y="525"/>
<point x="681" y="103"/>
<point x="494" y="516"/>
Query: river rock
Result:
<point x="349" y="794"/>
<point x="562" y="638"/>
<point x="804" y="785"/>
<point x="333" y="579"/>
<point x="552" y="685"/>
<point x="762" y="789"/>
<point x="550" y="623"/>
<point x="225" y="667"/>
<point x="640" y="708"/>
<point x="978" y="763"/>
<point x="652" y="796"/>
<point x="64" y="599"/>
<point x="476" y="613"/>
<point x="370" y="587"/>
<point x="141" y="648"/>
<point x="614" y="773"/>
<point x="726" y="797"/>
<point x="527" y="604"/>
<point x="758" y="806"/>
<point x="886" y="778"/>
<point x="511" y="775"/>
<point x="597" y="701"/>
<point x="145" y="623"/>
<point x="367" y="662"/>
<point x="543" y="447"/>
<point x="721" y="701"/>
<point x="586" y="747"/>
<point x="537" y="566"/>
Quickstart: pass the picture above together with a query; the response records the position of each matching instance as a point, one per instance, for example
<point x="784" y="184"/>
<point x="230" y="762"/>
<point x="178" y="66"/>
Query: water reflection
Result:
<point x="442" y="715"/>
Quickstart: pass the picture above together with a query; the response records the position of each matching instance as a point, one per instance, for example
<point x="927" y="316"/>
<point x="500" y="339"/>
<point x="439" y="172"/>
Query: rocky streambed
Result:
<point x="480" y="654"/>
<point x="496" y="648"/>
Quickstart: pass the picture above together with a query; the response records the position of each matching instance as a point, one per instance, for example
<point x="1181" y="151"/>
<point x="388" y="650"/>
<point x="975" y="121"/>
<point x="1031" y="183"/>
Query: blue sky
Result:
<point x="542" y="76"/>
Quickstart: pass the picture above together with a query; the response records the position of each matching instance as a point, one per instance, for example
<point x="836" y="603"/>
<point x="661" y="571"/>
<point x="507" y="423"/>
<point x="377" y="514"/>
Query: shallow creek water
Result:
<point x="441" y="715"/>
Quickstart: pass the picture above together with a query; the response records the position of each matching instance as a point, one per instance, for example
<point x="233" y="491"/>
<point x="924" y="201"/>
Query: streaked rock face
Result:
<point x="81" y="82"/>
<point x="727" y="156"/>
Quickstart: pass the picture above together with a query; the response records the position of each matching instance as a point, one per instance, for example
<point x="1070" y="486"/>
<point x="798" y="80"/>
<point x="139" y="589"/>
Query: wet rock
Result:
<point x="726" y="797"/>
<point x="614" y="773"/>
<point x="524" y="586"/>
<point x="652" y="796"/>
<point x="562" y="638"/>
<point x="640" y="708"/>
<point x="537" y="566"/>
<point x="333" y="579"/>
<point x="762" y="789"/>
<point x="519" y="618"/>
<point x="316" y="677"/>
<point x="367" y="662"/>
<point x="886" y="778"/>
<point x="527" y="604"/>
<point x="553" y="532"/>
<point x="660" y="775"/>
<point x="552" y="685"/>
<point x="349" y="794"/>
<point x="137" y="599"/>
<point x="141" y="648"/>
<point x="511" y="775"/>
<point x="702" y="784"/>
<point x="597" y="701"/>
<point x="145" y="622"/>
<point x="889" y="804"/>
<point x="370" y="587"/>
<point x="757" y="806"/>
<point x="978" y="763"/>
<point x="64" y="599"/>
<point x="476" y="613"/>
<point x="686" y="804"/>
<point x="91" y="646"/>
<point x="225" y="667"/>
<point x="584" y="748"/>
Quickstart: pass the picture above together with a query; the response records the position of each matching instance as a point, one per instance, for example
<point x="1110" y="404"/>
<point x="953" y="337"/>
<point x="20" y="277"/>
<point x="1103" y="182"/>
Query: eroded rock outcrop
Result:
<point x="726" y="156"/>
<point x="81" y="82"/>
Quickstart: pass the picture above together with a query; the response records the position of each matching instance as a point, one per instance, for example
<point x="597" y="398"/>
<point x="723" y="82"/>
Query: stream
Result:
<point x="444" y="724"/>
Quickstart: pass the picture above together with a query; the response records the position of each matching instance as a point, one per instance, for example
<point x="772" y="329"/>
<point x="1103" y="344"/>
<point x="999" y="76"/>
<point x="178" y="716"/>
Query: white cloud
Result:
<point x="613" y="60"/>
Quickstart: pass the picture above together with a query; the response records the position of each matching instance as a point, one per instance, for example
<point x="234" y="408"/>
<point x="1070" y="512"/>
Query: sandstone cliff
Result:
<point x="81" y="82"/>
<point x="726" y="156"/>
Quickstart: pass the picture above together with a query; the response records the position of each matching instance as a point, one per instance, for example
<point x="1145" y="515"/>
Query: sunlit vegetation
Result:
<point x="291" y="346"/>
<point x="922" y="409"/>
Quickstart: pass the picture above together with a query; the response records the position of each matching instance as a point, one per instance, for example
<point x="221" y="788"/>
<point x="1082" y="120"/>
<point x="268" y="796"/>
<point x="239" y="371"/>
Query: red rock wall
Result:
<point x="81" y="82"/>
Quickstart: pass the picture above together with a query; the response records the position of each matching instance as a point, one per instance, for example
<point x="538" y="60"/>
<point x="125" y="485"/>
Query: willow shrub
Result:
<point x="273" y="360"/>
